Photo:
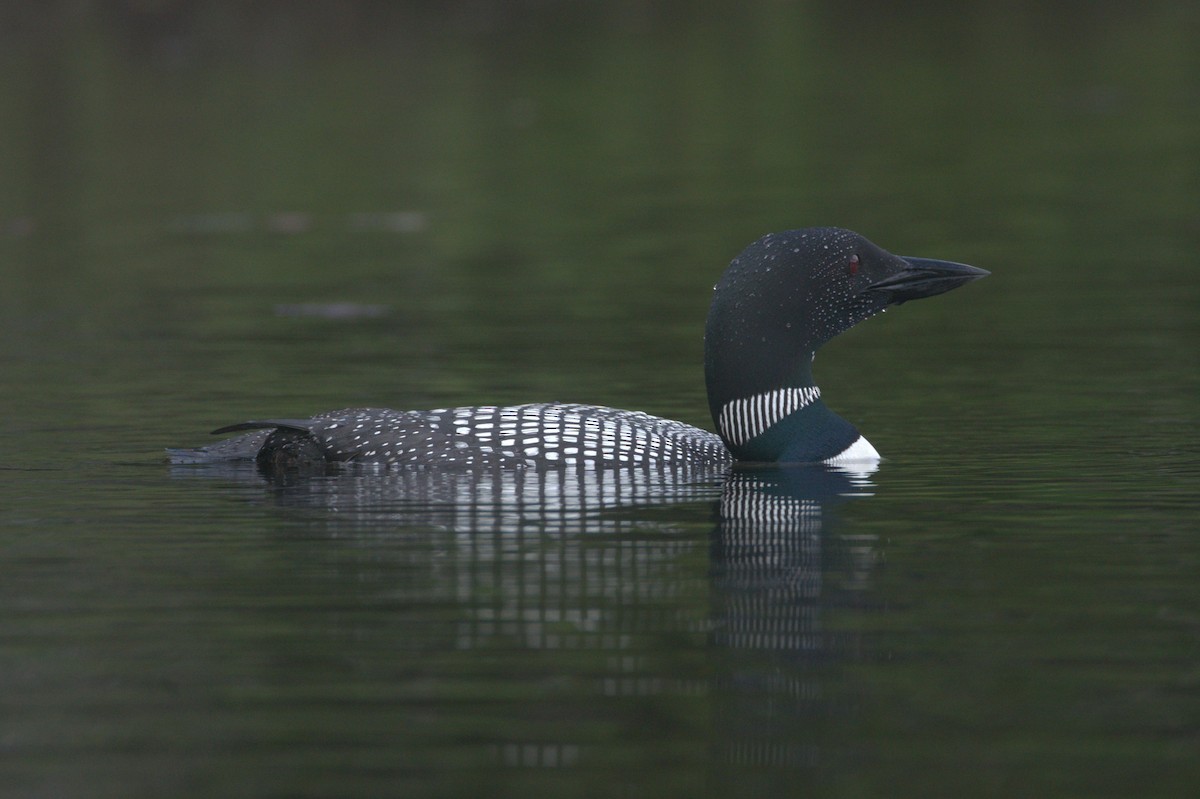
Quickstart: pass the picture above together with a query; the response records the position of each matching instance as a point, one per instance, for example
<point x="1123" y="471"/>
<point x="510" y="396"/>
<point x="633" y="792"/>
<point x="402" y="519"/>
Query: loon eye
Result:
<point x="854" y="264"/>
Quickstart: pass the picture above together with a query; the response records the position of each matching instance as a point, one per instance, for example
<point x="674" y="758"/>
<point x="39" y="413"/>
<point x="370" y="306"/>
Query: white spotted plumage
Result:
<point x="587" y="437"/>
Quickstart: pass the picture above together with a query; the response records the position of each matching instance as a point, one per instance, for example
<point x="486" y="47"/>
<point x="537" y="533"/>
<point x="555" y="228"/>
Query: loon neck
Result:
<point x="773" y="412"/>
<point x="785" y="425"/>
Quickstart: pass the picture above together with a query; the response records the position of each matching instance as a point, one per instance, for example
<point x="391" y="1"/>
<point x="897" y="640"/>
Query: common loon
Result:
<point x="778" y="301"/>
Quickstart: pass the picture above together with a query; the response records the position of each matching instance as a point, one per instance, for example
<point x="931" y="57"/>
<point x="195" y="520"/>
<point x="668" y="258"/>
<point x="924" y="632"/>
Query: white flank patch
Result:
<point x="743" y="419"/>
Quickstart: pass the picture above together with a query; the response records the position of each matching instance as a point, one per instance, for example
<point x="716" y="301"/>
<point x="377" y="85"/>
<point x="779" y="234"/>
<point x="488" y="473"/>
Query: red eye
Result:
<point x="854" y="264"/>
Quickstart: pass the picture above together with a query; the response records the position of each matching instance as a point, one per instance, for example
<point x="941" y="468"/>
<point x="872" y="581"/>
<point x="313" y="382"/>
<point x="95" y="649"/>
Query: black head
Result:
<point x="788" y="293"/>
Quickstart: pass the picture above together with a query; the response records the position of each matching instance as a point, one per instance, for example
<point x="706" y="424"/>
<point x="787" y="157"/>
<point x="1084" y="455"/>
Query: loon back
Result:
<point x="587" y="437"/>
<point x="782" y="298"/>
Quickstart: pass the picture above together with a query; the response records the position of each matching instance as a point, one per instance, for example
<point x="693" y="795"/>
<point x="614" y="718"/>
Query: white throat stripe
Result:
<point x="743" y="419"/>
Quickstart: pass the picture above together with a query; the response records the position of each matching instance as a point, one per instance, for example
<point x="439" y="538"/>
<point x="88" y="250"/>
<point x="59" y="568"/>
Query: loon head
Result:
<point x="778" y="301"/>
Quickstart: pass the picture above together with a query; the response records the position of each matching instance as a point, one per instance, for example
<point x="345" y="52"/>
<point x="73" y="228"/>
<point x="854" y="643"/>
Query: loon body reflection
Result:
<point x="782" y="298"/>
<point x="715" y="589"/>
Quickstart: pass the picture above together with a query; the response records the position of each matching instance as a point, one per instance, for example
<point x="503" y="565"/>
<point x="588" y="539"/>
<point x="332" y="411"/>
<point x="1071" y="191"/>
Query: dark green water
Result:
<point x="532" y="201"/>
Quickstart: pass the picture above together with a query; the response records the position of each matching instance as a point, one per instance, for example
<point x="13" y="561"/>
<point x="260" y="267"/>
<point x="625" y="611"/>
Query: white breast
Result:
<point x="860" y="451"/>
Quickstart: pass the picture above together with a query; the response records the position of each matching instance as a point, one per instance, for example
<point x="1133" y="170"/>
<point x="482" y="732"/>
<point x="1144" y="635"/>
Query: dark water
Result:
<point x="217" y="211"/>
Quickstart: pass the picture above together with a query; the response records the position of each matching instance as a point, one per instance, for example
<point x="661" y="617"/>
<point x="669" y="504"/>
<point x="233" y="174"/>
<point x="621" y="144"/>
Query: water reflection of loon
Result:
<point x="604" y="562"/>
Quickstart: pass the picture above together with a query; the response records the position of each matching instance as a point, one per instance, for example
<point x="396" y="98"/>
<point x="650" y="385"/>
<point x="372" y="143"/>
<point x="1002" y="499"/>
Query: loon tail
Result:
<point x="299" y="425"/>
<point x="239" y="448"/>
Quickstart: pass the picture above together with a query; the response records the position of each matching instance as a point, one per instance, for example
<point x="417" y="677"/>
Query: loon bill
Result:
<point x="778" y="301"/>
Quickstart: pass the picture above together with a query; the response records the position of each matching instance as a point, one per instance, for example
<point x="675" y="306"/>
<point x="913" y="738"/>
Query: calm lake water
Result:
<point x="211" y="212"/>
